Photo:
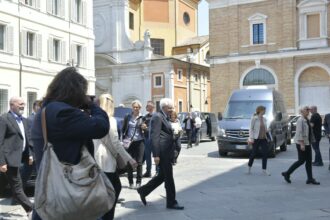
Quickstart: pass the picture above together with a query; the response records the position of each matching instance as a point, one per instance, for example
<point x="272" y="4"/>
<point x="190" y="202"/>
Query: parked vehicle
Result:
<point x="292" y="124"/>
<point x="234" y="126"/>
<point x="209" y="128"/>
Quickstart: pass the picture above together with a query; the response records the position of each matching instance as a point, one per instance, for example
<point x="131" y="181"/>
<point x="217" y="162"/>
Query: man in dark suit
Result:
<point x="189" y="127"/>
<point x="327" y="129"/>
<point x="26" y="169"/>
<point x="162" y="144"/>
<point x="316" y="123"/>
<point x="14" y="149"/>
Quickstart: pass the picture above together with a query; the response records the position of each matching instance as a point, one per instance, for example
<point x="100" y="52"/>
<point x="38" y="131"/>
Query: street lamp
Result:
<point x="189" y="55"/>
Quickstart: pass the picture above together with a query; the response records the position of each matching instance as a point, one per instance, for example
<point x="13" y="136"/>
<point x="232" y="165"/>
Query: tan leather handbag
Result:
<point x="71" y="192"/>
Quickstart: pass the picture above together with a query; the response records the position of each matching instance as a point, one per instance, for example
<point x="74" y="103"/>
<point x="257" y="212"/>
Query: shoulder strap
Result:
<point x="44" y="127"/>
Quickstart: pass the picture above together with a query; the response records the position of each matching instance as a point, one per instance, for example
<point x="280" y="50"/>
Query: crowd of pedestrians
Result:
<point x="75" y="121"/>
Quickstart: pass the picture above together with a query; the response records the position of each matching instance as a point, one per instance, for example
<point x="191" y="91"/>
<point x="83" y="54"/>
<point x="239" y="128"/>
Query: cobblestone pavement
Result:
<point x="217" y="188"/>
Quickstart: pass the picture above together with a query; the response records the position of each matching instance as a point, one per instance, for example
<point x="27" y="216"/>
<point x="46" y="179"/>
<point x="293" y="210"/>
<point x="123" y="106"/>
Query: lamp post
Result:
<point x="189" y="54"/>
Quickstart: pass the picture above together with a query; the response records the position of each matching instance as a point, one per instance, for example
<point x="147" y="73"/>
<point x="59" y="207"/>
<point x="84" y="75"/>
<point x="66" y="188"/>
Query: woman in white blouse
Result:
<point x="108" y="148"/>
<point x="177" y="131"/>
<point x="303" y="138"/>
<point x="258" y="138"/>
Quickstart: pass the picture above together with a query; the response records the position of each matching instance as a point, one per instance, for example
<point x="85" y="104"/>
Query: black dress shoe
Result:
<point x="146" y="175"/>
<point x="317" y="164"/>
<point x="313" y="182"/>
<point x="286" y="177"/>
<point x="142" y="197"/>
<point x="176" y="206"/>
<point x="120" y="200"/>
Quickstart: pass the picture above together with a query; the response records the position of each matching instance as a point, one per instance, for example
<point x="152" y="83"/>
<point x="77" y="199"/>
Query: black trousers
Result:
<point x="15" y="182"/>
<point x="136" y="150"/>
<point x="165" y="174"/>
<point x="262" y="143"/>
<point x="115" y="180"/>
<point x="189" y="136"/>
<point x="303" y="157"/>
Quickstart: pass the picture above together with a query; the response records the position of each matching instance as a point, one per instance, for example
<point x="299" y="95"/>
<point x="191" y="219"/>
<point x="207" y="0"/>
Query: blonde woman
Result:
<point x="177" y="131"/>
<point x="133" y="130"/>
<point x="107" y="149"/>
<point x="303" y="139"/>
<point x="258" y="138"/>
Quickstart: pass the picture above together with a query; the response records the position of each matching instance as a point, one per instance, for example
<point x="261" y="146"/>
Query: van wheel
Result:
<point x="223" y="153"/>
<point x="288" y="142"/>
<point x="272" y="150"/>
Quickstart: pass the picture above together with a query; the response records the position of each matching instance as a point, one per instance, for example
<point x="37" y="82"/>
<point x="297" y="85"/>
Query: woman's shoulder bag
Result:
<point x="71" y="192"/>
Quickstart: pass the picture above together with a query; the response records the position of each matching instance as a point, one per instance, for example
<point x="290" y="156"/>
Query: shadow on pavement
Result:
<point x="219" y="188"/>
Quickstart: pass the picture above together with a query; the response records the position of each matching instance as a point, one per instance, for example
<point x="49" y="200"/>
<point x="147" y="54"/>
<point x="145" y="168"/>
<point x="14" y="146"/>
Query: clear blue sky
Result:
<point x="203" y="18"/>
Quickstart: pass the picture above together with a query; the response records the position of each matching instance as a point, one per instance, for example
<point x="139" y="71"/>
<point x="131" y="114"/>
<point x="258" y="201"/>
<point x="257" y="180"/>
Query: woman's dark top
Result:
<point x="68" y="129"/>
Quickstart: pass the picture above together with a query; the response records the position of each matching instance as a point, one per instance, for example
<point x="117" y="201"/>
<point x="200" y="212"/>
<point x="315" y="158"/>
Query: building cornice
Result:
<point x="264" y="56"/>
<point x="214" y="4"/>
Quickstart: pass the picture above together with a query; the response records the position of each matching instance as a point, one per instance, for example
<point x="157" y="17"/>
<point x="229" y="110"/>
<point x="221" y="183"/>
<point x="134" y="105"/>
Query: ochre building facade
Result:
<point x="281" y="44"/>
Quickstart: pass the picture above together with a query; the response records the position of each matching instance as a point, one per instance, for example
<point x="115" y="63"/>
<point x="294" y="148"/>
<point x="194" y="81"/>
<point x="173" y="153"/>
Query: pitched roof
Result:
<point x="194" y="40"/>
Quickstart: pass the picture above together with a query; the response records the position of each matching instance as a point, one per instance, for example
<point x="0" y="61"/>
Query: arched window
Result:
<point x="258" y="77"/>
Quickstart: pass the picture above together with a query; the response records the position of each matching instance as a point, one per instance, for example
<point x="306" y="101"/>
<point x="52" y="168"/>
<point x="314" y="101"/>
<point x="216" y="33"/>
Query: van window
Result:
<point x="245" y="109"/>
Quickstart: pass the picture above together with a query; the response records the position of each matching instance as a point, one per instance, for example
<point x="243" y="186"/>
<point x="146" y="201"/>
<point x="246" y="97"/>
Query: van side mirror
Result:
<point x="278" y="116"/>
<point x="219" y="116"/>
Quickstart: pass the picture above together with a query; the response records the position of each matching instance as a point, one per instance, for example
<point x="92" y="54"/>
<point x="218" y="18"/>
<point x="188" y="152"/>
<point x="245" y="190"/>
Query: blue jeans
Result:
<point x="147" y="154"/>
<point x="318" y="156"/>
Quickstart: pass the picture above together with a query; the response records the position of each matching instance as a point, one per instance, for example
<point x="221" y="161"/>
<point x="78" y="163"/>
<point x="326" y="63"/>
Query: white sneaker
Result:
<point x="29" y="215"/>
<point x="266" y="173"/>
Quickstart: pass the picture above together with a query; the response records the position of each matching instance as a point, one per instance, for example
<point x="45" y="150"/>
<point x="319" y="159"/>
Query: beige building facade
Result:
<point x="281" y="44"/>
<point x="169" y="22"/>
<point x="128" y="63"/>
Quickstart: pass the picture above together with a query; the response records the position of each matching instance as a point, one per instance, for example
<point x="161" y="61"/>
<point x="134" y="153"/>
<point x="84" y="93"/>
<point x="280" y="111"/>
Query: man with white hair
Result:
<point x="14" y="149"/>
<point x="162" y="145"/>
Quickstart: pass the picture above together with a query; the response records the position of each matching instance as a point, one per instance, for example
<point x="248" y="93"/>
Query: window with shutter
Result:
<point x="179" y="75"/>
<point x="158" y="45"/>
<point x="30" y="44"/>
<point x="258" y="33"/>
<point x="63" y="45"/>
<point x="56" y="7"/>
<point x="73" y="58"/>
<point x="158" y="81"/>
<point x="49" y="6"/>
<point x="62" y="8"/>
<point x="84" y="57"/>
<point x="24" y="42"/>
<point x="38" y="46"/>
<point x="84" y="13"/>
<point x="57" y="50"/>
<point x="50" y="49"/>
<point x="78" y="11"/>
<point x="78" y="57"/>
<point x="3" y="100"/>
<point x="2" y="36"/>
<point x="31" y="98"/>
<point x="10" y="39"/>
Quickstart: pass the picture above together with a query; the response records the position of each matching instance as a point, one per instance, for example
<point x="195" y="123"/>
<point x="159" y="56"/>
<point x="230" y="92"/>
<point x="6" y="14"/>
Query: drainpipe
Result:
<point x="19" y="52"/>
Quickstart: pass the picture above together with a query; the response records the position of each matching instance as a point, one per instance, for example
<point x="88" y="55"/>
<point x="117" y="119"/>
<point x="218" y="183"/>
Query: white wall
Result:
<point x="38" y="72"/>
